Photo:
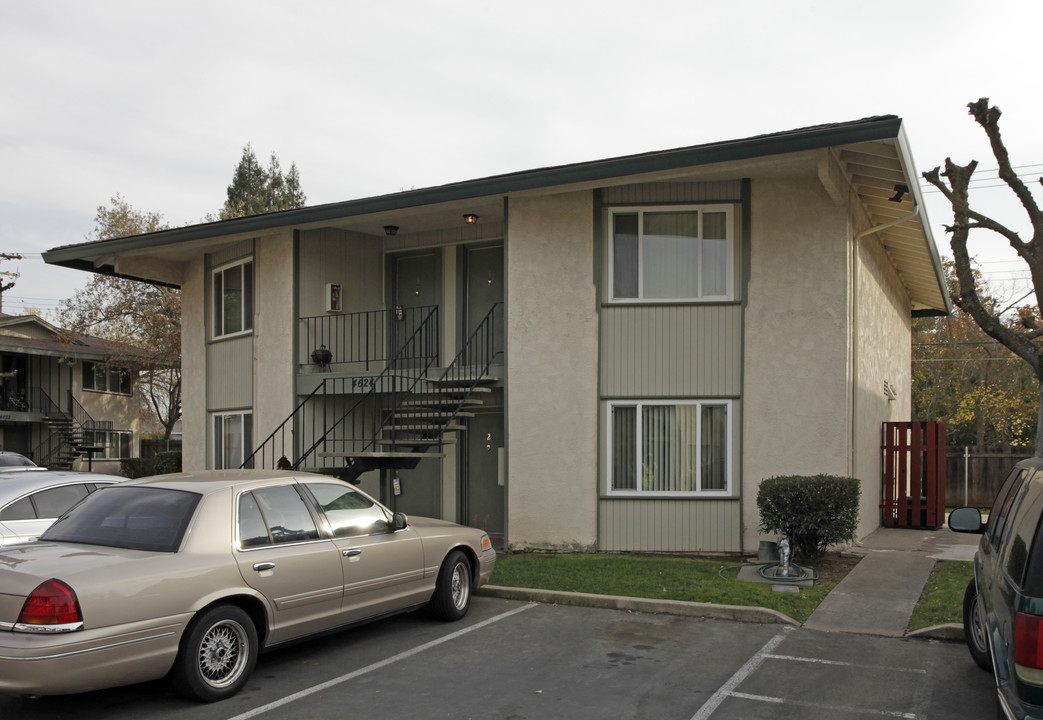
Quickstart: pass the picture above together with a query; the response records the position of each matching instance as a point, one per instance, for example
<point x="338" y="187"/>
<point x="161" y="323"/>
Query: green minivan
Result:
<point x="1003" y="604"/>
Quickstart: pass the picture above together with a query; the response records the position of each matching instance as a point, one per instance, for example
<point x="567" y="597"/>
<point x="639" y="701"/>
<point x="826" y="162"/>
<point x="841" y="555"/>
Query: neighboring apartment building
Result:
<point x="606" y="355"/>
<point x="67" y="400"/>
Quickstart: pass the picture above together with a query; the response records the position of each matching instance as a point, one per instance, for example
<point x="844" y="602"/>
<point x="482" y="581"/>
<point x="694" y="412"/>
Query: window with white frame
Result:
<point x="115" y="444"/>
<point x="233" y="439"/>
<point x="102" y="378"/>
<point x="669" y="447"/>
<point x="671" y="253"/>
<point x="233" y="299"/>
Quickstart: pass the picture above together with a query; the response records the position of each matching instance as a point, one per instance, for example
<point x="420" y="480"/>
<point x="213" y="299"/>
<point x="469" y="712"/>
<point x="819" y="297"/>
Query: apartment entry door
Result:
<point x="484" y="271"/>
<point x="483" y="476"/>
<point x="416" y="286"/>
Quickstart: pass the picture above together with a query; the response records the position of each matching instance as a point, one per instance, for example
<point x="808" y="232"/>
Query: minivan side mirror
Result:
<point x="966" y="520"/>
<point x="399" y="521"/>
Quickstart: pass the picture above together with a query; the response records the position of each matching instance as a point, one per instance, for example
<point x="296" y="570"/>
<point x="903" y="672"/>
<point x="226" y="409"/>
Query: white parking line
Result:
<point x="377" y="665"/>
<point x="741" y="674"/>
<point x="825" y="706"/>
<point x="765" y="653"/>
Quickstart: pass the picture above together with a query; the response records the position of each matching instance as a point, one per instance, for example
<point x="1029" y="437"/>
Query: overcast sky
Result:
<point x="155" y="100"/>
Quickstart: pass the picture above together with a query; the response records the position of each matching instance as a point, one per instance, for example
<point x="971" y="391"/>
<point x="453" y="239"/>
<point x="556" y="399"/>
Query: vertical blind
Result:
<point x="674" y="448"/>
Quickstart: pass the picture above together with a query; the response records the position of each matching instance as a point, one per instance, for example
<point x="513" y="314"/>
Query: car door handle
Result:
<point x="262" y="566"/>
<point x="354" y="552"/>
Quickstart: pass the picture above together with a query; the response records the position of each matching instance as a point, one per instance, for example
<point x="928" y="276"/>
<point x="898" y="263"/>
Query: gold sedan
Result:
<point x="194" y="574"/>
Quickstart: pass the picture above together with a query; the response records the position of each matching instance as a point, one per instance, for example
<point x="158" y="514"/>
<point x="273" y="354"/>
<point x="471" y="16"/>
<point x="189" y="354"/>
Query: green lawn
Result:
<point x="713" y="580"/>
<point x="694" y="579"/>
<point x="942" y="598"/>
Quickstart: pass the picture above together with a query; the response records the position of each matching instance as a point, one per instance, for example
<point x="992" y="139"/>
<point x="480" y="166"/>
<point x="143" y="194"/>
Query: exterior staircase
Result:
<point x="411" y="409"/>
<point x="70" y="438"/>
<point x="68" y="431"/>
<point x="418" y="426"/>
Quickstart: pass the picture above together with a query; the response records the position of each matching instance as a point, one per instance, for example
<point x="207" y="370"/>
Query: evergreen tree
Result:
<point x="256" y="190"/>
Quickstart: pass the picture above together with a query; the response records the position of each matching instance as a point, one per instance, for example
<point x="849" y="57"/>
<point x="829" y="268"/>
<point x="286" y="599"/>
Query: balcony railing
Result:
<point x="361" y="341"/>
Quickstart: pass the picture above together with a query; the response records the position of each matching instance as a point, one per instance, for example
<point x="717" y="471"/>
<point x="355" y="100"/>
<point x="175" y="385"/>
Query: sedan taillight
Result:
<point x="51" y="607"/>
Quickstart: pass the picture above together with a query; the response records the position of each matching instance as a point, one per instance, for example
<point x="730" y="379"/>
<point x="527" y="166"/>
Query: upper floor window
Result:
<point x="101" y="378"/>
<point x="671" y="253"/>
<point x="233" y="299"/>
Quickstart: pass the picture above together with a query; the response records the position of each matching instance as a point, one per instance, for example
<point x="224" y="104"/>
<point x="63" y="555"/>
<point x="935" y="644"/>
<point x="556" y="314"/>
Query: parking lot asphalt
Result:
<point x="514" y="660"/>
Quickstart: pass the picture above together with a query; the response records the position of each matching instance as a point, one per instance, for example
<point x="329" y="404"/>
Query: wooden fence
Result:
<point x="974" y="474"/>
<point x="913" y="474"/>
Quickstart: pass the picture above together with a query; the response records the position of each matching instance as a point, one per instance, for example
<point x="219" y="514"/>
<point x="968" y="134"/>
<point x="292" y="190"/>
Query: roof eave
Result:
<point x="74" y="256"/>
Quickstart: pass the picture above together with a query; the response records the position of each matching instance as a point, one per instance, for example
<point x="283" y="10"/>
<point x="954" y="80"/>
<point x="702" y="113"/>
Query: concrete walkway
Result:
<point x="878" y="596"/>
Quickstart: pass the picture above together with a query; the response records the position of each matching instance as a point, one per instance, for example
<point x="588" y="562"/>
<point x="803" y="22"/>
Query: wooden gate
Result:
<point x="913" y="479"/>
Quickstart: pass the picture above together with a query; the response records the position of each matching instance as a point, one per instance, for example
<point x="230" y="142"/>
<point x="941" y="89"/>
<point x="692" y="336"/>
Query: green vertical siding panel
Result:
<point x="230" y="374"/>
<point x="664" y="351"/>
<point x="669" y="525"/>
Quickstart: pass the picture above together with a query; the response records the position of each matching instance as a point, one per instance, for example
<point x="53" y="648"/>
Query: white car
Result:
<point x="33" y="497"/>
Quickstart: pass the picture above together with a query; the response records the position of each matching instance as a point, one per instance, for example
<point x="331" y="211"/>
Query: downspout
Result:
<point x="853" y="458"/>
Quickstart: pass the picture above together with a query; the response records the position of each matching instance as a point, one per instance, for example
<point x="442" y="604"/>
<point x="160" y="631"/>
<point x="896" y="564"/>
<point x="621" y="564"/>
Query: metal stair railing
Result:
<point x="470" y="367"/>
<point x="447" y="394"/>
<point x="56" y="447"/>
<point x="419" y="350"/>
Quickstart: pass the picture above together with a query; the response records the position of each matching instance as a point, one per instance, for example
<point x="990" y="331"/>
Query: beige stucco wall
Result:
<point x="882" y="355"/>
<point x="274" y="324"/>
<point x="796" y="364"/>
<point x="193" y="368"/>
<point x="123" y="410"/>
<point x="552" y="419"/>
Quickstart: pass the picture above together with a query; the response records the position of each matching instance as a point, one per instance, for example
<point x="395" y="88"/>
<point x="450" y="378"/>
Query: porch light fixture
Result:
<point x="470" y="218"/>
<point x="391" y="229"/>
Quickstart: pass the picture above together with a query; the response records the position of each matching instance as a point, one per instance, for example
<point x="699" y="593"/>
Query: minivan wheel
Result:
<point x="974" y="627"/>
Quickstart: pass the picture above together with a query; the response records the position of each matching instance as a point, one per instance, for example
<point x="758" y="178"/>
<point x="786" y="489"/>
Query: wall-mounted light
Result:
<point x="391" y="229"/>
<point x="470" y="218"/>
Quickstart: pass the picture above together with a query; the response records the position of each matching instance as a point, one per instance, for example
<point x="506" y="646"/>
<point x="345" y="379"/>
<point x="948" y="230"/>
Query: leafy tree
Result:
<point x="1020" y="337"/>
<point x="964" y="378"/>
<point x="145" y="316"/>
<point x="255" y="190"/>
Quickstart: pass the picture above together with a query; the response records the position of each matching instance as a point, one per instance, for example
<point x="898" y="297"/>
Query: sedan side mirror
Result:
<point x="399" y="521"/>
<point x="966" y="520"/>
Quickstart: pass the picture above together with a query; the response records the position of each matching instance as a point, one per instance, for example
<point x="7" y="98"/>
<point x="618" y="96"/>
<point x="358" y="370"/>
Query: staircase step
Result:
<point x="434" y="415"/>
<point x="464" y="382"/>
<point x="426" y="429"/>
<point x="377" y="455"/>
<point x="416" y="442"/>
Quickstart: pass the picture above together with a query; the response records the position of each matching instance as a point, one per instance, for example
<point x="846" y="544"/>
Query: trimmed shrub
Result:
<point x="167" y="462"/>
<point x="136" y="467"/>
<point x="814" y="512"/>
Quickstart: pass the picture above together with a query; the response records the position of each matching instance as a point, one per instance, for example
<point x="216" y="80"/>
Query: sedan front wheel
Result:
<point x="218" y="653"/>
<point x="452" y="596"/>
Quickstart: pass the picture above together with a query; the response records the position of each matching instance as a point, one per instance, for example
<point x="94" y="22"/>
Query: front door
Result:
<point x="484" y="268"/>
<point x="416" y="288"/>
<point x="483" y="481"/>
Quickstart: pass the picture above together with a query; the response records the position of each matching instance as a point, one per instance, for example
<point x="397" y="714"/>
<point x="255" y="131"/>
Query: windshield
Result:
<point x="136" y="518"/>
